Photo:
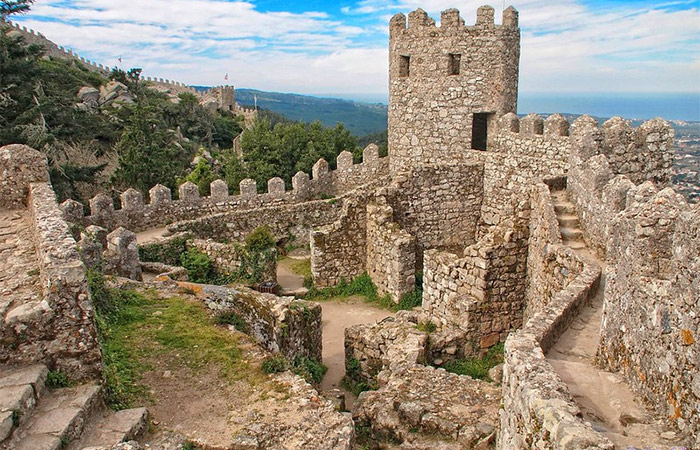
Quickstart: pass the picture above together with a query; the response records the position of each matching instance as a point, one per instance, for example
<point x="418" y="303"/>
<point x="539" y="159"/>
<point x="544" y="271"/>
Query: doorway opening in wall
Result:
<point x="480" y="127"/>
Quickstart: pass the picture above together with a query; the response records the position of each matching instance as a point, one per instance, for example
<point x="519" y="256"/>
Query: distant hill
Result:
<point x="360" y="118"/>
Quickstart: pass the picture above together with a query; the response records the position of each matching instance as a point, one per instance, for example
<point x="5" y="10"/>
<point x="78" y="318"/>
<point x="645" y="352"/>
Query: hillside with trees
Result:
<point x="109" y="133"/>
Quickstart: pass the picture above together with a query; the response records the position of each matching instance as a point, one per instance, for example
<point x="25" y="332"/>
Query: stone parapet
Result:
<point x="161" y="210"/>
<point x="538" y="409"/>
<point x="280" y="324"/>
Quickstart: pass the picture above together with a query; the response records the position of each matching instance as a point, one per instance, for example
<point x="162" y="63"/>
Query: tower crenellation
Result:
<point x="448" y="84"/>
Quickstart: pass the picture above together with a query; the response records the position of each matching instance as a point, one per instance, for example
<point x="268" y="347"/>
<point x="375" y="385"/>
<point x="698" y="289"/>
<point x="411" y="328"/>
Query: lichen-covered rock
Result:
<point x="122" y="255"/>
<point x="419" y="405"/>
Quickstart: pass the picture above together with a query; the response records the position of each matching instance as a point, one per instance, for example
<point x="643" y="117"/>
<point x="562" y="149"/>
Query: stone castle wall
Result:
<point x="538" y="409"/>
<point x="606" y="162"/>
<point x="280" y="324"/>
<point x="391" y="252"/>
<point x="481" y="292"/>
<point x="651" y="330"/>
<point x="439" y="204"/>
<point x="339" y="249"/>
<point x="550" y="265"/>
<point x="58" y="329"/>
<point x="136" y="215"/>
<point x="440" y="76"/>
<point x="520" y="153"/>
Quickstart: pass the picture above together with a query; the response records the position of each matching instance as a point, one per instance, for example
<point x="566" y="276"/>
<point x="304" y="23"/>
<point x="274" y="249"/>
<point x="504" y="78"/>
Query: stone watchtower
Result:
<point x="448" y="84"/>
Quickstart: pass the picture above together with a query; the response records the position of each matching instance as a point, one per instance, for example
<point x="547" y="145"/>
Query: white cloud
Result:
<point x="566" y="46"/>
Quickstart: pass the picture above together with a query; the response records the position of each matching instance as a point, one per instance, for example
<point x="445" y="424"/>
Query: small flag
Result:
<point x="226" y="76"/>
<point x="120" y="60"/>
<point x="255" y="97"/>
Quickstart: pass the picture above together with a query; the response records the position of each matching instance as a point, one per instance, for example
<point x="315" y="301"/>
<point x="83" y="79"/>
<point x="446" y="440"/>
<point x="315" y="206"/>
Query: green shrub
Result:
<point x="310" y="369"/>
<point x="274" y="364"/>
<point x="427" y="327"/>
<point x="200" y="268"/>
<point x="168" y="252"/>
<point x="56" y="379"/>
<point x="231" y="318"/>
<point x="260" y="239"/>
<point x="477" y="368"/>
<point x="410" y="300"/>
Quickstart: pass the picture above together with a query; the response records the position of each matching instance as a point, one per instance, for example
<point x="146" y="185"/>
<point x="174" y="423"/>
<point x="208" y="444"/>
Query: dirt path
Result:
<point x="338" y="315"/>
<point x="152" y="235"/>
<point x="288" y="280"/>
<point x="605" y="399"/>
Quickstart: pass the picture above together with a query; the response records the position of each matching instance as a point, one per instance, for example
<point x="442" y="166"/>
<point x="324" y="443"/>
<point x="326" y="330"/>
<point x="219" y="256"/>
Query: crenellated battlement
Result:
<point x="136" y="215"/>
<point x="448" y="83"/>
<point x="450" y="21"/>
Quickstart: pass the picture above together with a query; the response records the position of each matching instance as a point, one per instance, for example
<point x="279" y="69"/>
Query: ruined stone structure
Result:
<point x="518" y="226"/>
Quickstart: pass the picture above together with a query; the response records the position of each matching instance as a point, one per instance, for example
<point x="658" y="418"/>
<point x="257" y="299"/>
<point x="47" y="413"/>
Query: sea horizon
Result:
<point x="630" y="105"/>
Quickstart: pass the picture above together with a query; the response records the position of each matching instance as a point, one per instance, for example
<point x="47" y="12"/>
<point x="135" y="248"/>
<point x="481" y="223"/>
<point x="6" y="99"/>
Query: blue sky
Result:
<point x="318" y="47"/>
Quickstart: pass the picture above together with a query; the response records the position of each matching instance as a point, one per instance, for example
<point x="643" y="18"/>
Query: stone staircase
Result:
<point x="35" y="417"/>
<point x="569" y="223"/>
<point x="605" y="399"/>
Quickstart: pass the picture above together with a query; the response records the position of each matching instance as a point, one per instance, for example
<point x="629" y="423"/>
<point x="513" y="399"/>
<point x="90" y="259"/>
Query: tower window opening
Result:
<point x="480" y="137"/>
<point x="454" y="63"/>
<point x="404" y="66"/>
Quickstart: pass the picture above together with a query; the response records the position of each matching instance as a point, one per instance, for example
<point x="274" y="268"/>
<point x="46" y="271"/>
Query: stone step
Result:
<point x="564" y="208"/>
<point x="571" y="234"/>
<point x="58" y="419"/>
<point x="569" y="221"/>
<point x="109" y="428"/>
<point x="576" y="245"/>
<point x="20" y="390"/>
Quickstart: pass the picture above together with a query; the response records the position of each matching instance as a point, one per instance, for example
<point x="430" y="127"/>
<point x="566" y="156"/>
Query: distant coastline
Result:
<point x="677" y="106"/>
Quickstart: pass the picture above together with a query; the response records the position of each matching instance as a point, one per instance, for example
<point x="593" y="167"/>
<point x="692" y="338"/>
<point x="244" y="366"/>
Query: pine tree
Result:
<point x="10" y="7"/>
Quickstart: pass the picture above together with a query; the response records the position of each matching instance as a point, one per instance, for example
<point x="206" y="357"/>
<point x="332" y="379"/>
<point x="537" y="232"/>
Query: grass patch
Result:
<point x="56" y="379"/>
<point x="231" y="318"/>
<point x="477" y="368"/>
<point x="136" y="329"/>
<point x="363" y="286"/>
<point x="308" y="368"/>
<point x="426" y="327"/>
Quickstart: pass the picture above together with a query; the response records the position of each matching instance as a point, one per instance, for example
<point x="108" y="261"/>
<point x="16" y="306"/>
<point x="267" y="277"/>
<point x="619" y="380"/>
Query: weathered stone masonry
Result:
<point x="57" y="328"/>
<point x="441" y="76"/>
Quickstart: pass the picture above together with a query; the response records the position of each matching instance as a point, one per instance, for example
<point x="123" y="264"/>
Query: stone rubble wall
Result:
<point x="228" y="258"/>
<point x="339" y="249"/>
<point x="607" y="162"/>
<point x="19" y="167"/>
<point x="430" y="110"/>
<point x="650" y="330"/>
<point x="538" y="409"/>
<point x="550" y="265"/>
<point x="420" y="406"/>
<point x="161" y="210"/>
<point x="520" y="153"/>
<point x="391" y="252"/>
<point x="69" y="341"/>
<point x="58" y="331"/>
<point x="280" y="324"/>
<point x="439" y="204"/>
<point x="482" y="292"/>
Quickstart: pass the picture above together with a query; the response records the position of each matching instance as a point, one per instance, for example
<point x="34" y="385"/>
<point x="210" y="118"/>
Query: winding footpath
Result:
<point x="605" y="399"/>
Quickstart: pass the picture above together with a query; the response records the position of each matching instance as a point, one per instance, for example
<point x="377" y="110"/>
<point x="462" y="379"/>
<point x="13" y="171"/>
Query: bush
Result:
<point x="56" y="379"/>
<point x="477" y="368"/>
<point x="274" y="364"/>
<point x="260" y="239"/>
<point x="231" y="318"/>
<point x="200" y="268"/>
<point x="309" y="369"/>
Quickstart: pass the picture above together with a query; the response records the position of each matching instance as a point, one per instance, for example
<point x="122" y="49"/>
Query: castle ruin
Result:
<point x="527" y="231"/>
